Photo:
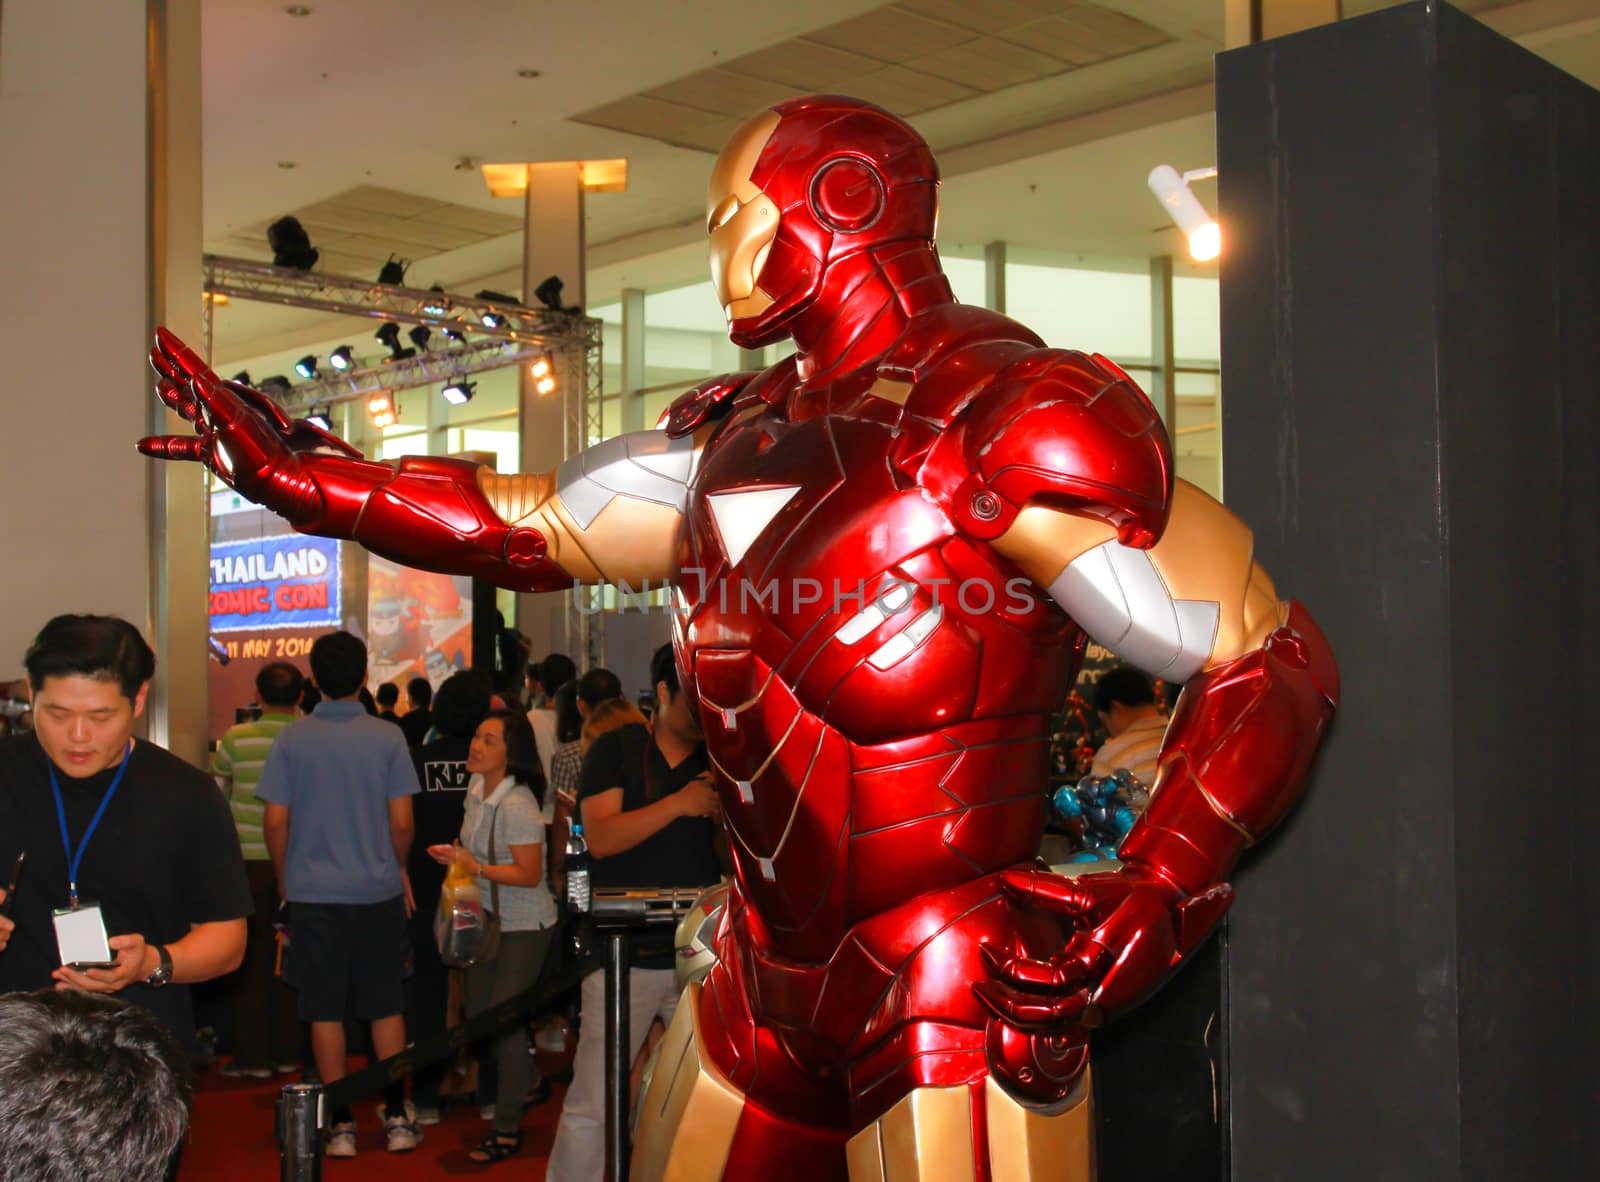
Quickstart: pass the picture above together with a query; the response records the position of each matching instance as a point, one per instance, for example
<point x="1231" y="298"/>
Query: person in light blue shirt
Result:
<point x="337" y="787"/>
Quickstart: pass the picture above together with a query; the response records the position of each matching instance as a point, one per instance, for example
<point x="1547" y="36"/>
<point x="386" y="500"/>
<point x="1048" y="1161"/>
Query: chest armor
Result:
<point x="873" y="685"/>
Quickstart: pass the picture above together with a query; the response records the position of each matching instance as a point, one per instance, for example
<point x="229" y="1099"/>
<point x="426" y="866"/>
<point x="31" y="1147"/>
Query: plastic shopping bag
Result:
<point x="460" y="925"/>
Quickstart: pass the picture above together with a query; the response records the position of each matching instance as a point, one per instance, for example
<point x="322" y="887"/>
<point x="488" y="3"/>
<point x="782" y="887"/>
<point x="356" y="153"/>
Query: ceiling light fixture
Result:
<point x="454" y="334"/>
<point x="548" y="293"/>
<point x="381" y="406"/>
<point x="320" y="417"/>
<point x="306" y="367"/>
<point x="291" y="245"/>
<point x="459" y="393"/>
<point x="419" y="335"/>
<point x="389" y="334"/>
<point x="342" y="358"/>
<point x="1171" y="188"/>
<point x="276" y="384"/>
<point x="241" y="378"/>
<point x="438" y="307"/>
<point x="494" y="319"/>
<point x="393" y="272"/>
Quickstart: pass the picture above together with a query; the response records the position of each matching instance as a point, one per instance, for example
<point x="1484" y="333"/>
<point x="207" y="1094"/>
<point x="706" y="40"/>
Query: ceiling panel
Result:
<point x="907" y="92"/>
<point x="669" y="122"/>
<point x="725" y="92"/>
<point x="1112" y="33"/>
<point x="807" y="65"/>
<point x="1062" y="41"/>
<point x="891" y="33"/>
<point x="987" y="64"/>
<point x="986" y="16"/>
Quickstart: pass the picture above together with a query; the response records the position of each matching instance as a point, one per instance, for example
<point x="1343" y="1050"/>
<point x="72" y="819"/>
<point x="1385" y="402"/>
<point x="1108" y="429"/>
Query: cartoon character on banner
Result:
<point x="963" y="509"/>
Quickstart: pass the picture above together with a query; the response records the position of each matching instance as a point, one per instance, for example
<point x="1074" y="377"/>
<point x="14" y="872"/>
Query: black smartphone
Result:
<point x="11" y="884"/>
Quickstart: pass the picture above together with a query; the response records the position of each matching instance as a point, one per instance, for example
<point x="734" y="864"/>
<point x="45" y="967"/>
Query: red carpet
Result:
<point x="232" y="1137"/>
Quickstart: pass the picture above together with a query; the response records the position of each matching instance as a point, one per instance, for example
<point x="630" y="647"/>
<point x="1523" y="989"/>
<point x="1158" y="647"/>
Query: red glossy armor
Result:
<point x="888" y="928"/>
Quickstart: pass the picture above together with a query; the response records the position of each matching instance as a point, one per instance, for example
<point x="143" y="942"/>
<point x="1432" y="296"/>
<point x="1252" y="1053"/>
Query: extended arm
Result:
<point x="610" y="513"/>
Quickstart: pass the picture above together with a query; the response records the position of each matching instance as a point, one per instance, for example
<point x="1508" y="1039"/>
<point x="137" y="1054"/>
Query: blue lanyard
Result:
<point x="75" y="859"/>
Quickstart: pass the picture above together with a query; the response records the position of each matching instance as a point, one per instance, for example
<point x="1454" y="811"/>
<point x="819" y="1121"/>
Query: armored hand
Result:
<point x="240" y="434"/>
<point x="426" y="512"/>
<point x="1233" y="762"/>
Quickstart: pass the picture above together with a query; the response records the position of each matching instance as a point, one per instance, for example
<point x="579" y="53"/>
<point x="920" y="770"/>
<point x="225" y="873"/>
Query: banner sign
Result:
<point x="289" y="581"/>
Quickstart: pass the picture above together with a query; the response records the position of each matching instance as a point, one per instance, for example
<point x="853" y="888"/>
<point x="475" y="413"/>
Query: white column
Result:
<point x="1164" y="381"/>
<point x="994" y="277"/>
<point x="101" y="240"/>
<point x="553" y="244"/>
<point x="633" y="359"/>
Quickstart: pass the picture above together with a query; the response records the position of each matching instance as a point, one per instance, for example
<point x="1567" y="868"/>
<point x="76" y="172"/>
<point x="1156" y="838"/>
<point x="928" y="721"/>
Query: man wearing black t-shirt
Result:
<point x="148" y="838"/>
<point x="650" y="816"/>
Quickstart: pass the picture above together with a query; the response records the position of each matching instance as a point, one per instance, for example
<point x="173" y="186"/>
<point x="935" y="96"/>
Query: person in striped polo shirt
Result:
<point x="269" y="1033"/>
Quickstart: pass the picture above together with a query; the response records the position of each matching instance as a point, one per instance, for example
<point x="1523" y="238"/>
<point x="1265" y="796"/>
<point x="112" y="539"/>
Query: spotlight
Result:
<point x="437" y="307"/>
<point x="342" y="358"/>
<point x="541" y="366"/>
<point x="306" y="367"/>
<point x="1171" y="188"/>
<point x="291" y="245"/>
<point x="242" y="377"/>
<point x="389" y="334"/>
<point x="393" y="272"/>
<point x="548" y="293"/>
<point x="459" y="393"/>
<point x="382" y="408"/>
<point x="419" y="335"/>
<point x="545" y="385"/>
<point x="453" y="334"/>
<point x="319" y="417"/>
<point x="494" y="319"/>
<point x="276" y="384"/>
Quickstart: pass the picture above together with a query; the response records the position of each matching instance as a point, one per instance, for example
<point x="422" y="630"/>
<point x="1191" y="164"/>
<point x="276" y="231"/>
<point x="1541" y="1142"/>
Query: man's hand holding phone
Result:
<point x="132" y="965"/>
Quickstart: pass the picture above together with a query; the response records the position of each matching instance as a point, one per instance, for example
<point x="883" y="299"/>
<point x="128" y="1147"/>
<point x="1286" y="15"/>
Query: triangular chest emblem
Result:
<point x="741" y="516"/>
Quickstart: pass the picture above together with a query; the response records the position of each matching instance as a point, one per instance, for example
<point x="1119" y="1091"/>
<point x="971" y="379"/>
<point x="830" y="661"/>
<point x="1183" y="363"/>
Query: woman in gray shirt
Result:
<point x="502" y="846"/>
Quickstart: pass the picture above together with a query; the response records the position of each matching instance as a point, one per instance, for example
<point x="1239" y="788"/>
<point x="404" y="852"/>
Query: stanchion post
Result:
<point x="618" y="1059"/>
<point x="300" y="1133"/>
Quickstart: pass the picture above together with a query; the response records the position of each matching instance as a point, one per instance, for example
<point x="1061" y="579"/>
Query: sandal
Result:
<point x="495" y="1147"/>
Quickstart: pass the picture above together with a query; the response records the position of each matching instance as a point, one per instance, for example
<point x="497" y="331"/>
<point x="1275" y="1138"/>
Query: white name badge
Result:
<point x="81" y="937"/>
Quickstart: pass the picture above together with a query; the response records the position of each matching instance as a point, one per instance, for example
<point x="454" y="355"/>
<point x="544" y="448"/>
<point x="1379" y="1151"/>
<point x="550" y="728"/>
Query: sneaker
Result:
<point x="400" y="1132"/>
<point x="341" y="1140"/>
<point x="486" y="1112"/>
<point x="552" y="1038"/>
<point x="427" y="1116"/>
<point x="232" y="1070"/>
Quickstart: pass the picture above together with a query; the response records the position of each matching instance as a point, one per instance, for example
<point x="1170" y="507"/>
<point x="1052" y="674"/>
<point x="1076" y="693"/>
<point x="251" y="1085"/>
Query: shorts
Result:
<point x="349" y="959"/>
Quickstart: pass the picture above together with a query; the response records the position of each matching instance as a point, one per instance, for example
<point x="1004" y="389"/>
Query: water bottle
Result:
<point x="580" y="899"/>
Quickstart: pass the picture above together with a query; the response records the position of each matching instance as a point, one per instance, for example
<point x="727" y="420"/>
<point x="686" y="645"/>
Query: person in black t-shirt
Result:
<point x="417" y="721"/>
<point x="149" y="836"/>
<point x="459" y="707"/>
<point x="650" y="816"/>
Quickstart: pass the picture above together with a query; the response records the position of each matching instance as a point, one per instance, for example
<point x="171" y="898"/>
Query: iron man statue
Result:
<point x="889" y="552"/>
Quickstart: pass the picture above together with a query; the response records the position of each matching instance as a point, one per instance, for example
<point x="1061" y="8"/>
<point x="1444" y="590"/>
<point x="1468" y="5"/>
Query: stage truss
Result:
<point x="517" y="334"/>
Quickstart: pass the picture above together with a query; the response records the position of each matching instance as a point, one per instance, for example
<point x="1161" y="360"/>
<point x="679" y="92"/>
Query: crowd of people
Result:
<point x="304" y="891"/>
<point x="309" y="883"/>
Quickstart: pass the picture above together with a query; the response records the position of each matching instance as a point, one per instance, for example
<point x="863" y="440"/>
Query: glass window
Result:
<point x="1196" y="320"/>
<point x="966" y="279"/>
<point x="1197" y="441"/>
<point x="1096" y="311"/>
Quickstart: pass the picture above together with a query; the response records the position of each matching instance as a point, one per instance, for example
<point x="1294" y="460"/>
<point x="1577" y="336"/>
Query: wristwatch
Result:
<point x="162" y="973"/>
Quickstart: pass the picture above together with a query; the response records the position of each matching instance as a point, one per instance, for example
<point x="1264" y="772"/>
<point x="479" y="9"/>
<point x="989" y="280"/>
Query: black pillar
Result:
<point x="1409" y="356"/>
